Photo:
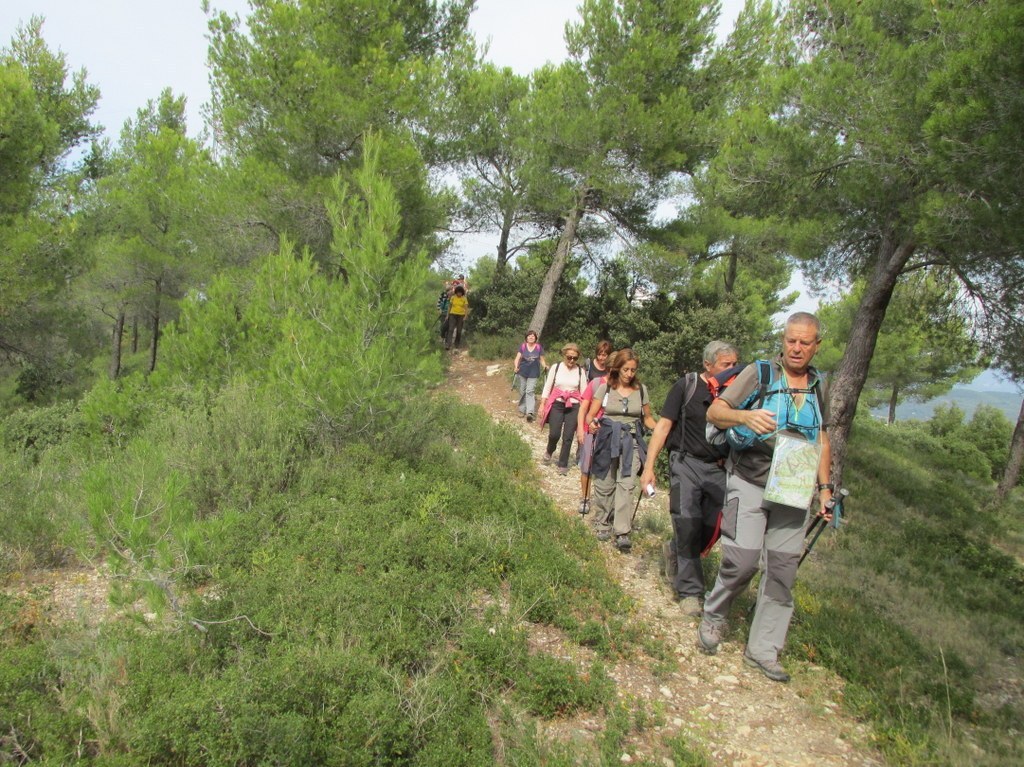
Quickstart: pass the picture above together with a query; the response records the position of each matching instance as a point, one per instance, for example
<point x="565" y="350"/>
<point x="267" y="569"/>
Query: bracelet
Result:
<point x="826" y="486"/>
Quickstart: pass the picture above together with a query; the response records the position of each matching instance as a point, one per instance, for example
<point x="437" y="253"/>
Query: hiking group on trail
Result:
<point x="748" y="450"/>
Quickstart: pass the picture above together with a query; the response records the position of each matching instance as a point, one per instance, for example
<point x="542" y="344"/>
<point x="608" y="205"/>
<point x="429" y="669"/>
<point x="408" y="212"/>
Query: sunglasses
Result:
<point x="571" y="357"/>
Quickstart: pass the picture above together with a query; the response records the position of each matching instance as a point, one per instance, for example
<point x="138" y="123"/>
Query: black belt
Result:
<point x="684" y="454"/>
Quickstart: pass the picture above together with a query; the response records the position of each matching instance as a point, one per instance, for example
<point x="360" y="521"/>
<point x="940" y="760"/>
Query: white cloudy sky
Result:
<point x="133" y="49"/>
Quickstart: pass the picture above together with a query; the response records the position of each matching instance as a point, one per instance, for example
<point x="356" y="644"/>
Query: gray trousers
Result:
<point x="751" y="528"/>
<point x="527" y="395"/>
<point x="614" y="497"/>
<point x="697" y="493"/>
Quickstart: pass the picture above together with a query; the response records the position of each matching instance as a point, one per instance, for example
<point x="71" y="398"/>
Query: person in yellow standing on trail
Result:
<point x="457" y="310"/>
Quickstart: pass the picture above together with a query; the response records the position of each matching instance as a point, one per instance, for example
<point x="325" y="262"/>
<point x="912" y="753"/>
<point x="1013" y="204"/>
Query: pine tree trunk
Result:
<point x="1012" y="472"/>
<point x="848" y="382"/>
<point x="547" y="291"/>
<point x="135" y="334"/>
<point x="731" y="270"/>
<point x="506" y="231"/>
<point x="155" y="339"/>
<point x="115" y="351"/>
<point x="893" y="399"/>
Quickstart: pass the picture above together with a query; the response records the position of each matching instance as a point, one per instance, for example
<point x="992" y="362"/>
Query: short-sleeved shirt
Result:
<point x="459" y="305"/>
<point x="594" y="372"/>
<point x="692" y="438"/>
<point x="804" y="423"/>
<point x="619" y="408"/>
<point x="529" y="362"/>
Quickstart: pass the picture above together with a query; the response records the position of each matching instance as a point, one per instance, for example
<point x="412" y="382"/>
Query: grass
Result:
<point x="917" y="610"/>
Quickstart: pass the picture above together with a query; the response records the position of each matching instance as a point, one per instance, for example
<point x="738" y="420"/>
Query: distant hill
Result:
<point x="967" y="398"/>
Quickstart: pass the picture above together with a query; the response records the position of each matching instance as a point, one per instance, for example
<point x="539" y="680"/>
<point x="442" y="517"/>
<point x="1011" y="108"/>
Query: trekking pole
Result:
<point x="818" y="524"/>
<point x="835" y="505"/>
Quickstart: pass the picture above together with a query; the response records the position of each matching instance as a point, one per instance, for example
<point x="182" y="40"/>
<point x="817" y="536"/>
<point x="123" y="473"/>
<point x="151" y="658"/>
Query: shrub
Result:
<point x="34" y="429"/>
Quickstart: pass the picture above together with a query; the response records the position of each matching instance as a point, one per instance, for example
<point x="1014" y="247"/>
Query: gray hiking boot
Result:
<point x="770" y="668"/>
<point x="709" y="636"/>
<point x="584" y="507"/>
<point x="623" y="544"/>
<point x="691" y="606"/>
<point x="546" y="459"/>
<point x="604" y="535"/>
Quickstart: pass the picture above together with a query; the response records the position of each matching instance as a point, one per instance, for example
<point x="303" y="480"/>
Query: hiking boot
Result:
<point x="604" y="535"/>
<point x="529" y="417"/>
<point x="691" y="606"/>
<point x="623" y="544"/>
<point x="709" y="636"/>
<point x="546" y="459"/>
<point x="563" y="470"/>
<point x="770" y="668"/>
<point x="584" y="507"/>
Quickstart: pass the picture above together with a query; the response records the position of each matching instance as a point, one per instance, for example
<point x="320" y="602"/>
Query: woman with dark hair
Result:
<point x="619" y="448"/>
<point x="528" y="364"/>
<point x="596" y="371"/>
<point x="559" y="404"/>
<point x="598" y="366"/>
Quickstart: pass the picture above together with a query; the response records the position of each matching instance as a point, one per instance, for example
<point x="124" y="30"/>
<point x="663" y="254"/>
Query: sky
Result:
<point x="133" y="49"/>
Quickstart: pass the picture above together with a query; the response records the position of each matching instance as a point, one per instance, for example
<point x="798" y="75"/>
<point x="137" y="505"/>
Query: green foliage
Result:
<point x="33" y="430"/>
<point x="35" y="724"/>
<point x="554" y="687"/>
<point x="990" y="431"/>
<point x="334" y="352"/>
<point x="44" y="110"/>
<point x="924" y="347"/>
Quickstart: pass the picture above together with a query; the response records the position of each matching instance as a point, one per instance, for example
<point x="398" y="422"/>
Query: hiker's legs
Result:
<point x="625" y="494"/>
<point x="586" y="456"/>
<point x="527" y="396"/>
<point x="697" y="492"/>
<point x="568" y="435"/>
<point x="458" y="320"/>
<point x="783" y="541"/>
<point x="743" y="526"/>
<point x="556" y="417"/>
<point x="602" y="497"/>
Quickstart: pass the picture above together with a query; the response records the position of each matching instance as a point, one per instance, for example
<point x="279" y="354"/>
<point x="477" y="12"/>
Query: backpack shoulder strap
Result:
<point x="691" y="387"/>
<point x="765" y="375"/>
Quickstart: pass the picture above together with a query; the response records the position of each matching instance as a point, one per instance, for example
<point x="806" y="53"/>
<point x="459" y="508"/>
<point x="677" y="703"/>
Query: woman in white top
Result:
<point x="559" y="404"/>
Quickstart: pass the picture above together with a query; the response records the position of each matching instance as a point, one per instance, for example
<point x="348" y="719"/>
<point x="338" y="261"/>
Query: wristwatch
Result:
<point x="826" y="486"/>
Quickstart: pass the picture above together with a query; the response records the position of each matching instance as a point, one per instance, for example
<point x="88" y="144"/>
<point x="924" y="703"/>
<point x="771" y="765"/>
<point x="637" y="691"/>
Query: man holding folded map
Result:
<point x="783" y="406"/>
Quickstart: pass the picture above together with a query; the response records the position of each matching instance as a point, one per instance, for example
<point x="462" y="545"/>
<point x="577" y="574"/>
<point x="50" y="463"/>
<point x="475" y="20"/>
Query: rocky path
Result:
<point x="738" y="716"/>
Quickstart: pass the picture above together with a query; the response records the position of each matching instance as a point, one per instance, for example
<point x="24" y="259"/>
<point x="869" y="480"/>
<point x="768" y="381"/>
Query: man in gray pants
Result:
<point x="697" y="476"/>
<point x="754" y="529"/>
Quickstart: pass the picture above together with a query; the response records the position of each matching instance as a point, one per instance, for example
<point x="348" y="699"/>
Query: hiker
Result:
<point x="457" y="312"/>
<point x="559" y="404"/>
<point x="619" y="449"/>
<point x="584" y="438"/>
<point x="528" y="364"/>
<point x="443" y="303"/>
<point x="696" y="473"/>
<point x="596" y="367"/>
<point x="779" y="406"/>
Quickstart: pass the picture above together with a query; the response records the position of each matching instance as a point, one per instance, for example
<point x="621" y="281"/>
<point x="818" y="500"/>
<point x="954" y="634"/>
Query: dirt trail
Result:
<point x="740" y="717"/>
